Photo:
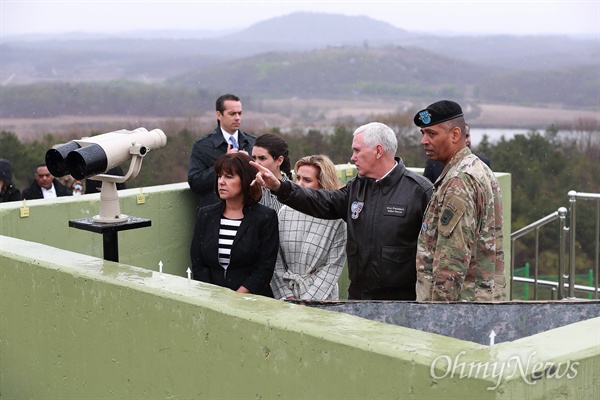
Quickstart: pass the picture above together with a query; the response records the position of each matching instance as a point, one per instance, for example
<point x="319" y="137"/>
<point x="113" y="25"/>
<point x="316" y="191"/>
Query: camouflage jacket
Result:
<point x="459" y="254"/>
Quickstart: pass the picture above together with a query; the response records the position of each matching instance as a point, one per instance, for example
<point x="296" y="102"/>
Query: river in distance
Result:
<point x="495" y="134"/>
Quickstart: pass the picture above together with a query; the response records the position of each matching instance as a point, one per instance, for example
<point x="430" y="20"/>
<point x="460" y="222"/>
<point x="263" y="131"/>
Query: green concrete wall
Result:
<point x="74" y="326"/>
<point x="171" y="208"/>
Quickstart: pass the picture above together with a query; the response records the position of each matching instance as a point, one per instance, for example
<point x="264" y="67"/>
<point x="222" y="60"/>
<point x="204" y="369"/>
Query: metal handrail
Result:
<point x="552" y="284"/>
<point x="559" y="214"/>
<point x="538" y="224"/>
<point x="573" y="196"/>
<point x="558" y="288"/>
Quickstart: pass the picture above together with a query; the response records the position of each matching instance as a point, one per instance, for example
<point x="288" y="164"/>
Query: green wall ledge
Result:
<point x="74" y="326"/>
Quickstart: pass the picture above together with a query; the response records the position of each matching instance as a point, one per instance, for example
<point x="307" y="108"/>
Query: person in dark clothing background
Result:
<point x="45" y="186"/>
<point x="227" y="137"/>
<point x="8" y="191"/>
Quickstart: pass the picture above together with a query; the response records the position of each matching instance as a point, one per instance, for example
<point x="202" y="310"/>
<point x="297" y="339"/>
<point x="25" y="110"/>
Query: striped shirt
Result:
<point x="227" y="231"/>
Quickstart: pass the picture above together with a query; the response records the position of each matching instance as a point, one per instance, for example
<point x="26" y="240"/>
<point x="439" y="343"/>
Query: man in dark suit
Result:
<point x="45" y="186"/>
<point x="433" y="169"/>
<point x="226" y="138"/>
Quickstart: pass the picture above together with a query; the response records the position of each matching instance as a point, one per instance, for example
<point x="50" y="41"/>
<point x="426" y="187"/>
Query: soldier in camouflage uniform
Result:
<point x="459" y="253"/>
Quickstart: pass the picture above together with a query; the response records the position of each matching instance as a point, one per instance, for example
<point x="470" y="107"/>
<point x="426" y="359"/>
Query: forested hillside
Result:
<point x="520" y="53"/>
<point x="576" y="87"/>
<point x="385" y="72"/>
<point x="394" y="73"/>
<point x="108" y="98"/>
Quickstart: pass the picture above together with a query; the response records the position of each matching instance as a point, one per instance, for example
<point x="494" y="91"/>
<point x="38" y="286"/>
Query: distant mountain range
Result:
<point x="315" y="54"/>
<point x="306" y="29"/>
<point x="143" y="34"/>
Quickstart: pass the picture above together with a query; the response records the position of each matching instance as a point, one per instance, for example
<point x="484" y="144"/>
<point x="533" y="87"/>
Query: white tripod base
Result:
<point x="110" y="211"/>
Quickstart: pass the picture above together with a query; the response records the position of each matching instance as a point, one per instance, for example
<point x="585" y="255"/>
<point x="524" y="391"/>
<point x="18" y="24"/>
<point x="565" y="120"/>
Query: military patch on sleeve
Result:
<point x="446" y="216"/>
<point x="453" y="211"/>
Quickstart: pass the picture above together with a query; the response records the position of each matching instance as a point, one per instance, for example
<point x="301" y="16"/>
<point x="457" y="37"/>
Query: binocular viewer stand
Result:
<point x="110" y="238"/>
<point x="110" y="221"/>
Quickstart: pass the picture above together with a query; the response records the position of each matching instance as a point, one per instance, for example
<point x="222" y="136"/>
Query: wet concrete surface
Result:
<point x="471" y="321"/>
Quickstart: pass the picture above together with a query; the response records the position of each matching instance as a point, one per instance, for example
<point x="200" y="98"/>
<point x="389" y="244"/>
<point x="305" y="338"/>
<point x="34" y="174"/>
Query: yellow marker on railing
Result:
<point x="349" y="170"/>
<point x="141" y="198"/>
<point x="24" y="210"/>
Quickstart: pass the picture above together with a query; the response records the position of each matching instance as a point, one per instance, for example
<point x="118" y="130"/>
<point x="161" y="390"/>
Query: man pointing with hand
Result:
<point x="383" y="207"/>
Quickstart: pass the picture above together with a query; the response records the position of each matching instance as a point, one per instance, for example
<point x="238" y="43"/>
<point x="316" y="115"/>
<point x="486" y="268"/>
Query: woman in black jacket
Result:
<point x="236" y="240"/>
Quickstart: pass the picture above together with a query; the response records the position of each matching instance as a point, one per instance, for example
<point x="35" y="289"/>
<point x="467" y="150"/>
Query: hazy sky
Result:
<point x="475" y="16"/>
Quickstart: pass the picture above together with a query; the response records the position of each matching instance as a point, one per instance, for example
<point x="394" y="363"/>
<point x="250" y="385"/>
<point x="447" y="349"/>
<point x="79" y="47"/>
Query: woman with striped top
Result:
<point x="236" y="240"/>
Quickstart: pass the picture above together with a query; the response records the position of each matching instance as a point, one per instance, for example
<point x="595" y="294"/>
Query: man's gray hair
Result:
<point x="378" y="133"/>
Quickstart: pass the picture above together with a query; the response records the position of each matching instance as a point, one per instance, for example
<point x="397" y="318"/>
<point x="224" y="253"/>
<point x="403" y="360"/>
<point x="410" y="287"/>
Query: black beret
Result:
<point x="440" y="111"/>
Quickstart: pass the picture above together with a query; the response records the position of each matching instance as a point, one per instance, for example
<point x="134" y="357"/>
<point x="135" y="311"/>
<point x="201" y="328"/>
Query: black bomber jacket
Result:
<point x="384" y="218"/>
